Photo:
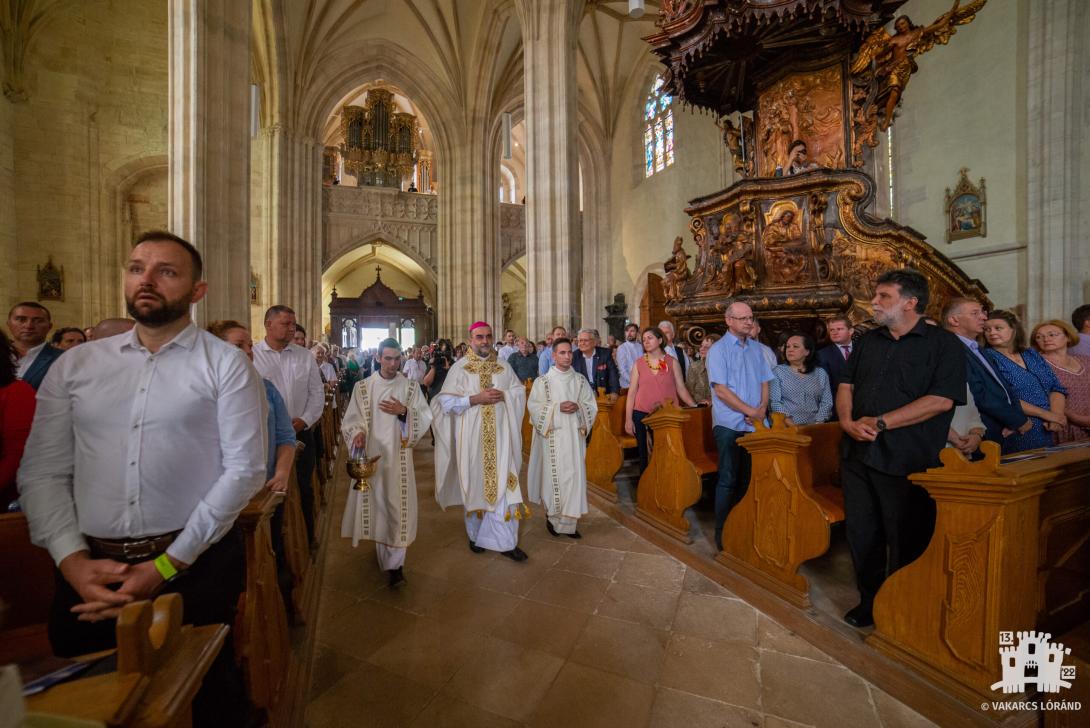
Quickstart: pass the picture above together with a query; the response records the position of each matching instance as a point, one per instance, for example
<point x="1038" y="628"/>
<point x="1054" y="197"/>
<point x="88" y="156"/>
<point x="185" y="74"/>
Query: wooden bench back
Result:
<point x="26" y="575"/>
<point x="699" y="440"/>
<point x="819" y="467"/>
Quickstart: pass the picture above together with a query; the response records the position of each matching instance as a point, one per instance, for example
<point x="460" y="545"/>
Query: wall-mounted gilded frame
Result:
<point x="50" y="281"/>
<point x="966" y="211"/>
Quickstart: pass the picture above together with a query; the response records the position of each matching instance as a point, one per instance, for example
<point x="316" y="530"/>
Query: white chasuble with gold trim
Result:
<point x="557" y="474"/>
<point x="478" y="450"/>
<point x="386" y="512"/>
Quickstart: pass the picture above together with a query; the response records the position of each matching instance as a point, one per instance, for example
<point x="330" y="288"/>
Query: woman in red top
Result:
<point x="16" y="413"/>
<point x="655" y="378"/>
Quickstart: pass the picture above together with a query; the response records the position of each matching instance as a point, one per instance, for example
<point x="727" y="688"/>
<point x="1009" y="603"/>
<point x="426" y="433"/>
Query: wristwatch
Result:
<point x="881" y="424"/>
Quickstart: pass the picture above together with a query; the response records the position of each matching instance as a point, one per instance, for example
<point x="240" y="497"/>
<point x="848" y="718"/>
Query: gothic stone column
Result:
<point x="550" y="36"/>
<point x="209" y="145"/>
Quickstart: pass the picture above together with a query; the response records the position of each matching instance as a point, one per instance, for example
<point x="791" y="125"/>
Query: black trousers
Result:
<point x="888" y="522"/>
<point x="210" y="590"/>
<point x="642" y="435"/>
<point x="304" y="473"/>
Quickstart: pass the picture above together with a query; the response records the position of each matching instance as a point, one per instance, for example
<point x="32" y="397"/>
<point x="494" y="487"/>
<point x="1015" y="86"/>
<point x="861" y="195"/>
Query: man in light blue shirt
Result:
<point x="739" y="376"/>
<point x="545" y="358"/>
<point x="628" y="353"/>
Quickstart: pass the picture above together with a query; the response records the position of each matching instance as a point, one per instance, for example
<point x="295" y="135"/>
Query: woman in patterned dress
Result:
<point x="1029" y="377"/>
<point x="1052" y="339"/>
<point x="800" y="389"/>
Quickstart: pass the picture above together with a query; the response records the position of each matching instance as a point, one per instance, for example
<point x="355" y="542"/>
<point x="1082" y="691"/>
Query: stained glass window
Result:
<point x="658" y="129"/>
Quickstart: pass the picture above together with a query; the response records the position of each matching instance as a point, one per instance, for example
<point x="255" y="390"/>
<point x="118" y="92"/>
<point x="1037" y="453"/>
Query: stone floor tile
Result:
<point x="588" y="698"/>
<point x="363" y="627"/>
<point x="659" y="572"/>
<point x="369" y="696"/>
<point x="445" y="711"/>
<point x="332" y="602"/>
<point x="651" y="607"/>
<point x="773" y="721"/>
<point x="473" y="609"/>
<point x="676" y="709"/>
<point x="505" y="678"/>
<point x="771" y="635"/>
<point x="826" y="695"/>
<point x="415" y="595"/>
<point x="592" y="561"/>
<point x="626" y="648"/>
<point x="716" y="618"/>
<point x="725" y="671"/>
<point x="700" y="584"/>
<point x="329" y="666"/>
<point x="511" y="577"/>
<point x="545" y="550"/>
<point x="427" y="652"/>
<point x="895" y="714"/>
<point x="543" y="627"/>
<point x="565" y="589"/>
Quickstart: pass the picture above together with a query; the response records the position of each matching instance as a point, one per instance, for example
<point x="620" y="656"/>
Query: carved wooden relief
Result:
<point x="965" y="602"/>
<point x="807" y="107"/>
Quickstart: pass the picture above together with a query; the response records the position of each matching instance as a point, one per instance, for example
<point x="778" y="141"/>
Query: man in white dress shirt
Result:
<point x="145" y="447"/>
<point x="510" y="345"/>
<point x="294" y="372"/>
<point x="628" y="353"/>
<point x="415" y="368"/>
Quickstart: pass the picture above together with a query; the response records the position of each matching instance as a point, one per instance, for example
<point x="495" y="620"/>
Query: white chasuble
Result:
<point x="385" y="512"/>
<point x="478" y="450"/>
<point x="558" y="474"/>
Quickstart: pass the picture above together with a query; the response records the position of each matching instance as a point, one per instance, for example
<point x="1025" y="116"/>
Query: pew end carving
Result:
<point x="671" y="482"/>
<point x="778" y="524"/>
<point x="605" y="453"/>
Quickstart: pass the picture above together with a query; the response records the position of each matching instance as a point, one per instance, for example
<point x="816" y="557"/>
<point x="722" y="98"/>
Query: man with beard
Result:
<point x="895" y="404"/>
<point x="145" y="448"/>
<point x="294" y="372"/>
<point x="628" y="353"/>
<point x="477" y="421"/>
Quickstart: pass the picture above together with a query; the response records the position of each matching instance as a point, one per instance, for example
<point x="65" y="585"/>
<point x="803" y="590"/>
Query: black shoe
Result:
<point x="549" y="525"/>
<point x="475" y="548"/>
<point x="397" y="577"/>
<point x="574" y="534"/>
<point x="515" y="554"/>
<point x="859" y="616"/>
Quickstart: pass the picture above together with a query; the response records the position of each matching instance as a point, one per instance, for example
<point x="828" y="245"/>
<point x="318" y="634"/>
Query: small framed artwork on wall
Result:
<point x="966" y="209"/>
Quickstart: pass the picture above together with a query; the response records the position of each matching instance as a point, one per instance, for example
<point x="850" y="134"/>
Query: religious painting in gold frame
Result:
<point x="966" y="209"/>
<point x="50" y="281"/>
<point x="255" y="283"/>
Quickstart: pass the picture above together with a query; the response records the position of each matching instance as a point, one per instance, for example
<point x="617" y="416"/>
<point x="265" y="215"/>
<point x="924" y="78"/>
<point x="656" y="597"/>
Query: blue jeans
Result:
<point x="733" y="473"/>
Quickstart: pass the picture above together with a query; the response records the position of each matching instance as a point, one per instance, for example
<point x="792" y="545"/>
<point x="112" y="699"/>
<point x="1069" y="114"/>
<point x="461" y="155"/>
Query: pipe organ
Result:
<point x="381" y="144"/>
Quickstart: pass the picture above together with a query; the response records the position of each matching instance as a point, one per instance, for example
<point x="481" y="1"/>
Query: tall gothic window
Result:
<point x="658" y="129"/>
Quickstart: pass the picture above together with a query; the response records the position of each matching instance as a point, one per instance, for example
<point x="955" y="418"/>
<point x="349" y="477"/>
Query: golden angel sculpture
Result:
<point x="892" y="57"/>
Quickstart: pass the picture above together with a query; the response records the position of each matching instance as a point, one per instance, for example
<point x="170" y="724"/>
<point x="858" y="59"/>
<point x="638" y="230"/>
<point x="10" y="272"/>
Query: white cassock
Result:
<point x="478" y="450"/>
<point x="386" y="512"/>
<point x="558" y="474"/>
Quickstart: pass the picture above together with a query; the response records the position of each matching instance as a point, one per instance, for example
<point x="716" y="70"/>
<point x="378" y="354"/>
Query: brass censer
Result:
<point x="360" y="469"/>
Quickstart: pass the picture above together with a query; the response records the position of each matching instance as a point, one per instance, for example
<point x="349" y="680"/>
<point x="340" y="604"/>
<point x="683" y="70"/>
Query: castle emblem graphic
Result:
<point x="1033" y="661"/>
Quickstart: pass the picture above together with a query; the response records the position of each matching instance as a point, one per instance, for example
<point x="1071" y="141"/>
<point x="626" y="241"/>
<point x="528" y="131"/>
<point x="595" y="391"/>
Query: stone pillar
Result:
<point x="1056" y="123"/>
<point x="8" y="250"/>
<point x="209" y="145"/>
<point x="550" y="31"/>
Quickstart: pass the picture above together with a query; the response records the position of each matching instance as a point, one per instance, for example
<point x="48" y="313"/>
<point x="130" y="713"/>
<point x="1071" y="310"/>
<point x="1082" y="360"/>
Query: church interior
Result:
<point x="404" y="168"/>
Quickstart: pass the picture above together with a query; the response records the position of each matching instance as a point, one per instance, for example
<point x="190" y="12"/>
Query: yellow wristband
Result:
<point x="165" y="567"/>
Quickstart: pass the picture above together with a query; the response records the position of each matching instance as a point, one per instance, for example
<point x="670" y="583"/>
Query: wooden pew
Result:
<point x="26" y="590"/>
<point x="783" y="520"/>
<point x="608" y="441"/>
<point x="160" y="666"/>
<point x="1010" y="552"/>
<point x="671" y="482"/>
<point x="699" y="440"/>
<point x="261" y="640"/>
<point x="296" y="546"/>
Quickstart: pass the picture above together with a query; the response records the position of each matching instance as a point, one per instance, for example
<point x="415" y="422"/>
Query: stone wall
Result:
<point x="966" y="108"/>
<point x="8" y="250"/>
<point x="97" y="85"/>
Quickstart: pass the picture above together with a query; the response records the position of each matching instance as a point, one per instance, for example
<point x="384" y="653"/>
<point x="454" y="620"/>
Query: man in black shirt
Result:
<point x="895" y="405"/>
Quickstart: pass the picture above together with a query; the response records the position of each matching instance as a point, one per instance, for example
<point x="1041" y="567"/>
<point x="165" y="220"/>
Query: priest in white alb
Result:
<point x="562" y="410"/>
<point x="387" y="416"/>
<point x="477" y="422"/>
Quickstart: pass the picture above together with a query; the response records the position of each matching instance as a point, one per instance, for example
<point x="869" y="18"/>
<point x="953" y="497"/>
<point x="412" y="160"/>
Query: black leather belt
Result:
<point x="131" y="550"/>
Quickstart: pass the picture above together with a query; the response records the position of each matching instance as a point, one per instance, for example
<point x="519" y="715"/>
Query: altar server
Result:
<point x="562" y="410"/>
<point x="387" y="416"/>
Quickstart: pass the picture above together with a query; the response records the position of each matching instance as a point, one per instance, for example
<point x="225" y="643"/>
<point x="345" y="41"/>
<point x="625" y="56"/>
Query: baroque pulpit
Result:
<point x="802" y="90"/>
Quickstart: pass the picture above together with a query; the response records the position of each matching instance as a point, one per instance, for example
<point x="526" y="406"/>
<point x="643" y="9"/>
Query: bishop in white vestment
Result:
<point x="562" y="411"/>
<point x="477" y="422"/>
<point x="387" y="416"/>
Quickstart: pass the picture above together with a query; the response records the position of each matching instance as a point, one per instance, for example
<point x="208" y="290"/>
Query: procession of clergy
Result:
<point x="476" y="420"/>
